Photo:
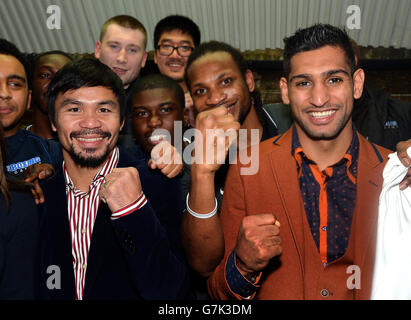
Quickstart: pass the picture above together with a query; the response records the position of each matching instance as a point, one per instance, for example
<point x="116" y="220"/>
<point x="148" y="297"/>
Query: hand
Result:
<point x="405" y="160"/>
<point x="216" y="129"/>
<point x="258" y="241"/>
<point x="34" y="173"/>
<point x="166" y="158"/>
<point x="120" y="188"/>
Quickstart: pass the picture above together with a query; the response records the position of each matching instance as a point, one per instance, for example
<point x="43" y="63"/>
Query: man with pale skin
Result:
<point x="225" y="97"/>
<point x="110" y="207"/>
<point x="122" y="47"/>
<point x="294" y="229"/>
<point x="175" y="37"/>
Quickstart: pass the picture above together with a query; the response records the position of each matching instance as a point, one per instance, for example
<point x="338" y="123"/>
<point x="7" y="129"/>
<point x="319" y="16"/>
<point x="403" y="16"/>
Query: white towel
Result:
<point x="392" y="270"/>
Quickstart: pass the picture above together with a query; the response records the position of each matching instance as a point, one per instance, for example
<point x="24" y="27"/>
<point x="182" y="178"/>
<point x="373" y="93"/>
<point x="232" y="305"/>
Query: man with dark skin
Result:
<point x="45" y="67"/>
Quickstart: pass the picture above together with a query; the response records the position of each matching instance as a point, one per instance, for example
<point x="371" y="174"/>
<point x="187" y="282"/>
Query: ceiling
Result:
<point x="245" y="24"/>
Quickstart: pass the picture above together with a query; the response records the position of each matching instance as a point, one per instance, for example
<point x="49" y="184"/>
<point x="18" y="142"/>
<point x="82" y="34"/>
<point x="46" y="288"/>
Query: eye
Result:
<point x="104" y="110"/>
<point x="113" y="46"/>
<point x="132" y="50"/>
<point x="15" y="84"/>
<point x="45" y="75"/>
<point x="227" y="81"/>
<point x="200" y="91"/>
<point x="335" y="80"/>
<point x="140" y="113"/>
<point x="185" y="48"/>
<point x="302" y="84"/>
<point x="165" y="109"/>
<point x="74" y="109"/>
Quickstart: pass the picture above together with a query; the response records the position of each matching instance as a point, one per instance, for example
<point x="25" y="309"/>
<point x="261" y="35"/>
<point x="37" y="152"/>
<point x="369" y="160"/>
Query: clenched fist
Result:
<point x="258" y="241"/>
<point x="120" y="188"/>
<point x="406" y="161"/>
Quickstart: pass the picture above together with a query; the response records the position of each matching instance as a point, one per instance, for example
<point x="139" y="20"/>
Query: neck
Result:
<point x="41" y="125"/>
<point x="326" y="152"/>
<point x="252" y="122"/>
<point x="11" y="132"/>
<point x="80" y="176"/>
<point x="183" y="85"/>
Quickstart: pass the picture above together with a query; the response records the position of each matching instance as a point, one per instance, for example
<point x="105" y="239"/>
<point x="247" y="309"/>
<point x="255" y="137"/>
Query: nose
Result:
<point x="319" y="95"/>
<point x="154" y="121"/>
<point x="122" y="56"/>
<point x="90" y="120"/>
<point x="216" y="97"/>
<point x="4" y="90"/>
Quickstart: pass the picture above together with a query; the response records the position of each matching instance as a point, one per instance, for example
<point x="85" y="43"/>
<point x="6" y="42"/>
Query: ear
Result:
<point x="284" y="90"/>
<point x="28" y="100"/>
<point x="143" y="62"/>
<point x="358" y="82"/>
<point x="97" y="49"/>
<point x="155" y="56"/>
<point x="122" y="124"/>
<point x="249" y="79"/>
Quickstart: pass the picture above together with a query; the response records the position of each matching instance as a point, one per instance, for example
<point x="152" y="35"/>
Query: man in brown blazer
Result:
<point x="304" y="226"/>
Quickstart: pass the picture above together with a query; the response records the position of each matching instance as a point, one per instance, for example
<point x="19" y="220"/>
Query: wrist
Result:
<point x="248" y="273"/>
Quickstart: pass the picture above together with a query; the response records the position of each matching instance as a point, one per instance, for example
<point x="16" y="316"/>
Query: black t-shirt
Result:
<point x="25" y="149"/>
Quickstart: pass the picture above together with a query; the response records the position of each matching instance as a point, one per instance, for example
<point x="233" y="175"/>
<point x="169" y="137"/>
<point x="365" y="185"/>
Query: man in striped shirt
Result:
<point x="110" y="226"/>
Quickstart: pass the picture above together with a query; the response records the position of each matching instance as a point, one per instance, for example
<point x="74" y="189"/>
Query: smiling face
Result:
<point x="173" y="65"/>
<point x="87" y="121"/>
<point x="123" y="50"/>
<point x="154" y="109"/>
<point x="321" y="92"/>
<point x="14" y="93"/>
<point x="45" y="69"/>
<point x="215" y="80"/>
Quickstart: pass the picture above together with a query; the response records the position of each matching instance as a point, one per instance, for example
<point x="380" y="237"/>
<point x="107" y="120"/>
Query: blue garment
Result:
<point x="138" y="256"/>
<point x="25" y="149"/>
<point x="18" y="244"/>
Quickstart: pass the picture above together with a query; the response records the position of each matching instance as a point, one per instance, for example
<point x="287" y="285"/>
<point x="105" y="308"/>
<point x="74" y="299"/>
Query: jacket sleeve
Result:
<point x="232" y="213"/>
<point x="150" y="237"/>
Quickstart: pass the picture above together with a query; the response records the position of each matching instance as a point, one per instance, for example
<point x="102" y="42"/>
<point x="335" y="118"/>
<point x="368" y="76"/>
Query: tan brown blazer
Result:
<point x="298" y="273"/>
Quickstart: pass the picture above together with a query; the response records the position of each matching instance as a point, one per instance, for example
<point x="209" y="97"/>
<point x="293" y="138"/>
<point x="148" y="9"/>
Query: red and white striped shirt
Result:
<point x="82" y="211"/>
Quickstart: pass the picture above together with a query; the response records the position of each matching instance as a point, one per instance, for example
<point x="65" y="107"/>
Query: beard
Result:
<point x="84" y="158"/>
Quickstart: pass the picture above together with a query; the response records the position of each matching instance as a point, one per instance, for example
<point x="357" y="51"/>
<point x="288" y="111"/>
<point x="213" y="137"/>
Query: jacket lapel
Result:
<point x="285" y="175"/>
<point x="57" y="247"/>
<point x="370" y="180"/>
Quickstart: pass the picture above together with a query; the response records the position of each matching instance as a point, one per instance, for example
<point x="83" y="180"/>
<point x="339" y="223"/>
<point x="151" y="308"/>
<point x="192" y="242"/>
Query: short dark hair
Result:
<point x="316" y="37"/>
<point x="177" y="22"/>
<point x="157" y="81"/>
<point x="8" y="48"/>
<point x="85" y="72"/>
<point x="48" y="53"/>
<point x="124" y="21"/>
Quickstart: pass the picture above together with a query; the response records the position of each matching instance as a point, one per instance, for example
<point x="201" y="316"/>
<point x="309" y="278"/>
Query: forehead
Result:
<point x="319" y="61"/>
<point x="212" y="65"/>
<point x="10" y="65"/>
<point x="155" y="97"/>
<point x="52" y="60"/>
<point x="127" y="36"/>
<point x="176" y="35"/>
<point x="92" y="95"/>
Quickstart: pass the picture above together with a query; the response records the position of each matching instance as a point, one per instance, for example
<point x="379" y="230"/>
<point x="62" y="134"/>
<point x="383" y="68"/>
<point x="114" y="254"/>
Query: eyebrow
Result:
<point x="200" y="84"/>
<point x="79" y="103"/>
<point x="326" y="74"/>
<point x="162" y="104"/>
<point x="16" y="77"/>
<point x="170" y="40"/>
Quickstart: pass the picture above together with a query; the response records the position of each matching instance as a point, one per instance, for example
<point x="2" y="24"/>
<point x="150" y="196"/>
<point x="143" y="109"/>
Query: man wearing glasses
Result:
<point x="175" y="37"/>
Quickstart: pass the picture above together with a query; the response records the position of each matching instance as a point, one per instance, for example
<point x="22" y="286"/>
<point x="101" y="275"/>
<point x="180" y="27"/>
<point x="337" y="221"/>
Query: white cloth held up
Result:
<point x="392" y="270"/>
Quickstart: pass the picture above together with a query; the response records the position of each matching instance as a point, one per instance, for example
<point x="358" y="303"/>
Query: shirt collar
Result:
<point x="298" y="152"/>
<point x="106" y="169"/>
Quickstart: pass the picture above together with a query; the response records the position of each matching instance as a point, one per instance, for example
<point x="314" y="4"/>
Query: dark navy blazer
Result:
<point x="138" y="256"/>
